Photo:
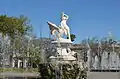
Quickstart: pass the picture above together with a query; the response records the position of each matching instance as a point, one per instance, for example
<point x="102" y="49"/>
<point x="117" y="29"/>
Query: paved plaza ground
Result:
<point x="103" y="75"/>
<point x="91" y="75"/>
<point x="14" y="75"/>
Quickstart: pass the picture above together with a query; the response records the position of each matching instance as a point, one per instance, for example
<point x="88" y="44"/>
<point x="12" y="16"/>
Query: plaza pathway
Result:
<point x="14" y="75"/>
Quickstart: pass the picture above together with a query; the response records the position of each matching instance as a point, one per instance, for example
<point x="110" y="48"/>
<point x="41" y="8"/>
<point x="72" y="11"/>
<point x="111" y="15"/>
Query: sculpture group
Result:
<point x="59" y="31"/>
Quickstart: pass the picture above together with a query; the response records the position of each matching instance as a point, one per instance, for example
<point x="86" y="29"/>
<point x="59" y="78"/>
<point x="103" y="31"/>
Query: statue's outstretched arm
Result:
<point x="65" y="15"/>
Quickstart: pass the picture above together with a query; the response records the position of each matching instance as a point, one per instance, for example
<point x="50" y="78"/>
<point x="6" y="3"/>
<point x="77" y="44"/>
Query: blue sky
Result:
<point x="86" y="17"/>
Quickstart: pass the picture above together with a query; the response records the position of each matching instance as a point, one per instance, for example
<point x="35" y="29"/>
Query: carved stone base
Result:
<point x="62" y="40"/>
<point x="64" y="58"/>
<point x="64" y="54"/>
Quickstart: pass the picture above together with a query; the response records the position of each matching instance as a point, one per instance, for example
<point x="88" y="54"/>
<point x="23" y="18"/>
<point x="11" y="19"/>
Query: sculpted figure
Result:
<point x="64" y="25"/>
<point x="62" y="29"/>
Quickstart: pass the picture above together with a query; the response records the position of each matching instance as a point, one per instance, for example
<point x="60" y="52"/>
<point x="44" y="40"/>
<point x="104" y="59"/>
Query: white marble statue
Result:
<point x="64" y="26"/>
<point x="59" y="31"/>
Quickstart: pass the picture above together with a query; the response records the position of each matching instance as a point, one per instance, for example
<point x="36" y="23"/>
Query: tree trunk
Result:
<point x="108" y="59"/>
<point x="99" y="61"/>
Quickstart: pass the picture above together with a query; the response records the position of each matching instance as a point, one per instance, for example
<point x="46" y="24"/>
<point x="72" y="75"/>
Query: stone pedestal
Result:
<point x="63" y="51"/>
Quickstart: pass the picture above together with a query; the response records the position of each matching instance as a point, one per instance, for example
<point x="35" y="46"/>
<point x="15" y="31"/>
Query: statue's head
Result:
<point x="64" y="16"/>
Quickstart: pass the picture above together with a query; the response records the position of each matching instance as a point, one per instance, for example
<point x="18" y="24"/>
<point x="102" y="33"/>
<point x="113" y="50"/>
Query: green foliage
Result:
<point x="72" y="37"/>
<point x="15" y="28"/>
<point x="34" y="52"/>
<point x="68" y="71"/>
<point x="73" y="72"/>
<point x="13" y="25"/>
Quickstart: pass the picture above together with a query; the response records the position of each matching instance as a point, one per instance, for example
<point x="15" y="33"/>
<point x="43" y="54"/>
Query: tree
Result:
<point x="98" y="47"/>
<point x="13" y="25"/>
<point x="72" y="37"/>
<point x="14" y="28"/>
<point x="34" y="53"/>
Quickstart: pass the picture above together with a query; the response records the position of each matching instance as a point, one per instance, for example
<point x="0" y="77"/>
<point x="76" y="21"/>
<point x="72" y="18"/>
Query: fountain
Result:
<point x="63" y="64"/>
